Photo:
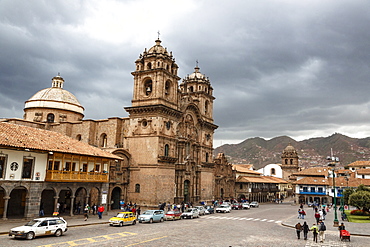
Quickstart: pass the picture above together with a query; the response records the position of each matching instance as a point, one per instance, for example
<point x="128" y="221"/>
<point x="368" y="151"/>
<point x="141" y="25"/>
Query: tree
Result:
<point x="360" y="199"/>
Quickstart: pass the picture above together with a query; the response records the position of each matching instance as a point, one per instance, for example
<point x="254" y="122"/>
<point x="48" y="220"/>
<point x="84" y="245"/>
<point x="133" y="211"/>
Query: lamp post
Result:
<point x="332" y="163"/>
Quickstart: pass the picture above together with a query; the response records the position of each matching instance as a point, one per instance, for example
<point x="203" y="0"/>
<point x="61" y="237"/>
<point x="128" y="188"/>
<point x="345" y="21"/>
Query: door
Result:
<point x="42" y="228"/>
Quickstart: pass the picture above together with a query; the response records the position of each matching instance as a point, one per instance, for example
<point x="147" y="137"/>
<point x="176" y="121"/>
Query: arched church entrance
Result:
<point x="80" y="199"/>
<point x="2" y="201"/>
<point x="65" y="201"/>
<point x="17" y="202"/>
<point x="94" y="196"/>
<point x="115" y="198"/>
<point x="186" y="191"/>
<point x="47" y="201"/>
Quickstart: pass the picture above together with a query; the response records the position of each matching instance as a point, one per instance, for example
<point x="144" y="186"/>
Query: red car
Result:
<point x="173" y="215"/>
<point x="237" y="206"/>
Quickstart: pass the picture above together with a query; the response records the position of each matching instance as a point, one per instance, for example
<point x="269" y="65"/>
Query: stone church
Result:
<point x="165" y="143"/>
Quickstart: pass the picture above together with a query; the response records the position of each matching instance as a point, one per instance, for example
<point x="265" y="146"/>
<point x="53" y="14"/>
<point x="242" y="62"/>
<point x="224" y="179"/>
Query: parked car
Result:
<point x="246" y="205"/>
<point x="41" y="226"/>
<point x="223" y="208"/>
<point x="190" y="213"/>
<point x="201" y="209"/>
<point x="123" y="218"/>
<point x="236" y="206"/>
<point x="151" y="216"/>
<point x="173" y="215"/>
<point x="254" y="204"/>
<point x="210" y="210"/>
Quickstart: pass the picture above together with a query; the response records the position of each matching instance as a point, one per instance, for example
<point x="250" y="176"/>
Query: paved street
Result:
<point x="255" y="227"/>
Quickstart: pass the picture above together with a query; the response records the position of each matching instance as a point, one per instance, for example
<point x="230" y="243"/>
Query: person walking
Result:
<point x="86" y="212"/>
<point x="305" y="230"/>
<point x="298" y="228"/>
<point x="317" y="217"/>
<point x="315" y="231"/>
<point x="322" y="229"/>
<point x="100" y="211"/>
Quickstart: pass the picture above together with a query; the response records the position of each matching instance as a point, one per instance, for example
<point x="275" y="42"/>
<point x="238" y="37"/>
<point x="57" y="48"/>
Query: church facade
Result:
<point x="165" y="144"/>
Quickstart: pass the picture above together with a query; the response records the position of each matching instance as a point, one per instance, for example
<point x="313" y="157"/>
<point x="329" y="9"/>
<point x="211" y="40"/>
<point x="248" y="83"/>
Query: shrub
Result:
<point x="357" y="212"/>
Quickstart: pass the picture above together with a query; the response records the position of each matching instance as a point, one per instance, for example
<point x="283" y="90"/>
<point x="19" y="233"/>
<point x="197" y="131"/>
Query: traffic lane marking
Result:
<point x="84" y="241"/>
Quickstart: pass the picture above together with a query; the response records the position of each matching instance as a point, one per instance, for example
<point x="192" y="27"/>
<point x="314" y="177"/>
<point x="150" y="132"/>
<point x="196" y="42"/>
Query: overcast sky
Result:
<point x="295" y="68"/>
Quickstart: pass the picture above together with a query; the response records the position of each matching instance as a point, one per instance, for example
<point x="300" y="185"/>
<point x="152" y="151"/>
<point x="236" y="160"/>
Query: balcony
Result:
<point x="74" y="176"/>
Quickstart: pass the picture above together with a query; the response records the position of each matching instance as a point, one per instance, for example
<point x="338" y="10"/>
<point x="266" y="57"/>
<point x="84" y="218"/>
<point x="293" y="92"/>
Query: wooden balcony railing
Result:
<point x="74" y="176"/>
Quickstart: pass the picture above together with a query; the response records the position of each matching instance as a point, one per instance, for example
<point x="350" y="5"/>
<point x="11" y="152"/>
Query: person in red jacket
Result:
<point x="100" y="211"/>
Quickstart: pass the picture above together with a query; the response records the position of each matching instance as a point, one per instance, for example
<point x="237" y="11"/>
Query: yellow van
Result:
<point x="123" y="218"/>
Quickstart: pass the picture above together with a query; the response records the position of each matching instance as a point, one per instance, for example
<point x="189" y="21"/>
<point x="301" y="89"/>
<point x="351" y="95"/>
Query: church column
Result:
<point x="6" y="200"/>
<point x="72" y="205"/>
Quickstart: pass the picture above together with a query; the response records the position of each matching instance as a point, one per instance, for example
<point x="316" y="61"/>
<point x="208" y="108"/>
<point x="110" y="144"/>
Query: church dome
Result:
<point x="55" y="97"/>
<point x="196" y="74"/>
<point x="157" y="48"/>
<point x="290" y="151"/>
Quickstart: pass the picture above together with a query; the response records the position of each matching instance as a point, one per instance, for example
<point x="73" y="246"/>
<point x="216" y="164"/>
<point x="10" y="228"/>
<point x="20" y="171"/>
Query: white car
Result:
<point x="224" y="208"/>
<point x="201" y="209"/>
<point x="246" y="205"/>
<point x="190" y="213"/>
<point x="38" y="227"/>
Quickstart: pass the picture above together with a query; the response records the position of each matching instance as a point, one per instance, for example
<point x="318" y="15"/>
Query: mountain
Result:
<point x="311" y="152"/>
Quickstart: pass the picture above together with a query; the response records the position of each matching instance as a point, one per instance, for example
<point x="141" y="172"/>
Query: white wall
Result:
<point x="266" y="171"/>
<point x="15" y="156"/>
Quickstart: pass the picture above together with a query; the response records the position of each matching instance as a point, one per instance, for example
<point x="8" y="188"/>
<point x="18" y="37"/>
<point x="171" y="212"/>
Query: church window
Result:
<point x="291" y="161"/>
<point x="167" y="87"/>
<point x="103" y="140"/>
<point x="50" y="118"/>
<point x="148" y="86"/>
<point x="137" y="188"/>
<point x="166" y="150"/>
<point x="273" y="171"/>
<point x="206" y="107"/>
<point x="158" y="64"/>
<point x="207" y="157"/>
<point x="2" y="165"/>
<point x="241" y="186"/>
<point x="286" y="161"/>
<point x="168" y="125"/>
<point x="191" y="89"/>
<point x="27" y="167"/>
<point x="149" y="66"/>
<point x="78" y="137"/>
<point x="144" y="123"/>
<point x="167" y="67"/>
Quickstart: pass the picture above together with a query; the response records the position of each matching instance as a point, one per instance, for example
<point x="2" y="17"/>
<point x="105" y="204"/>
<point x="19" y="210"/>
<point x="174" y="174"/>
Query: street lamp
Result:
<point x="332" y="163"/>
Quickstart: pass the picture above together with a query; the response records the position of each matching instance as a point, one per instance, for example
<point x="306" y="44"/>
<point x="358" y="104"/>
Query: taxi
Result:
<point x="123" y="218"/>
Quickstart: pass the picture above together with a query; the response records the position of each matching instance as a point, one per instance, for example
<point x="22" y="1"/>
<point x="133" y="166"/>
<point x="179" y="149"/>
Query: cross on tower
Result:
<point x="158" y="34"/>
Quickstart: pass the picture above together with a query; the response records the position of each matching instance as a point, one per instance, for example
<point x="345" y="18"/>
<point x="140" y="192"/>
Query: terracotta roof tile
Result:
<point x="261" y="179"/>
<point x="19" y="136"/>
<point x="363" y="171"/>
<point x="312" y="181"/>
<point x="245" y="169"/>
<point x="360" y="164"/>
<point x="313" y="171"/>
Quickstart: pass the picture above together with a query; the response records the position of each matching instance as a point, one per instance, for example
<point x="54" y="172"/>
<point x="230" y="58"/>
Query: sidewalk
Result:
<point x="73" y="221"/>
<point x="356" y="229"/>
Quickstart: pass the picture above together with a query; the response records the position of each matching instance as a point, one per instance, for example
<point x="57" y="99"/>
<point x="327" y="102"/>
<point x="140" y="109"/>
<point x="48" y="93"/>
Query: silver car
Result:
<point x="151" y="216"/>
<point x="190" y="213"/>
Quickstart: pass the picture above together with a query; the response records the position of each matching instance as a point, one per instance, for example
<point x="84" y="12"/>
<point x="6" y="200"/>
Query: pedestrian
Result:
<point x="322" y="229"/>
<point x="341" y="228"/>
<point x="58" y="205"/>
<point x="303" y="213"/>
<point x="315" y="231"/>
<point x="94" y="209"/>
<point x="86" y="212"/>
<point x="299" y="213"/>
<point x="317" y="217"/>
<point x="298" y="228"/>
<point x="100" y="211"/>
<point x="305" y="230"/>
<point x="138" y="211"/>
<point x="323" y="213"/>
<point x="41" y="213"/>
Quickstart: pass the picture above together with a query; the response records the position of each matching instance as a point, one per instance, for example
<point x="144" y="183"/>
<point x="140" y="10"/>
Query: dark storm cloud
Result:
<point x="296" y="68"/>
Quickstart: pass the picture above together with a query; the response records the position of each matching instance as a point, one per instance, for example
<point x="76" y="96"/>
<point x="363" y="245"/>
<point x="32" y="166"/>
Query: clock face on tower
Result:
<point x="14" y="166"/>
